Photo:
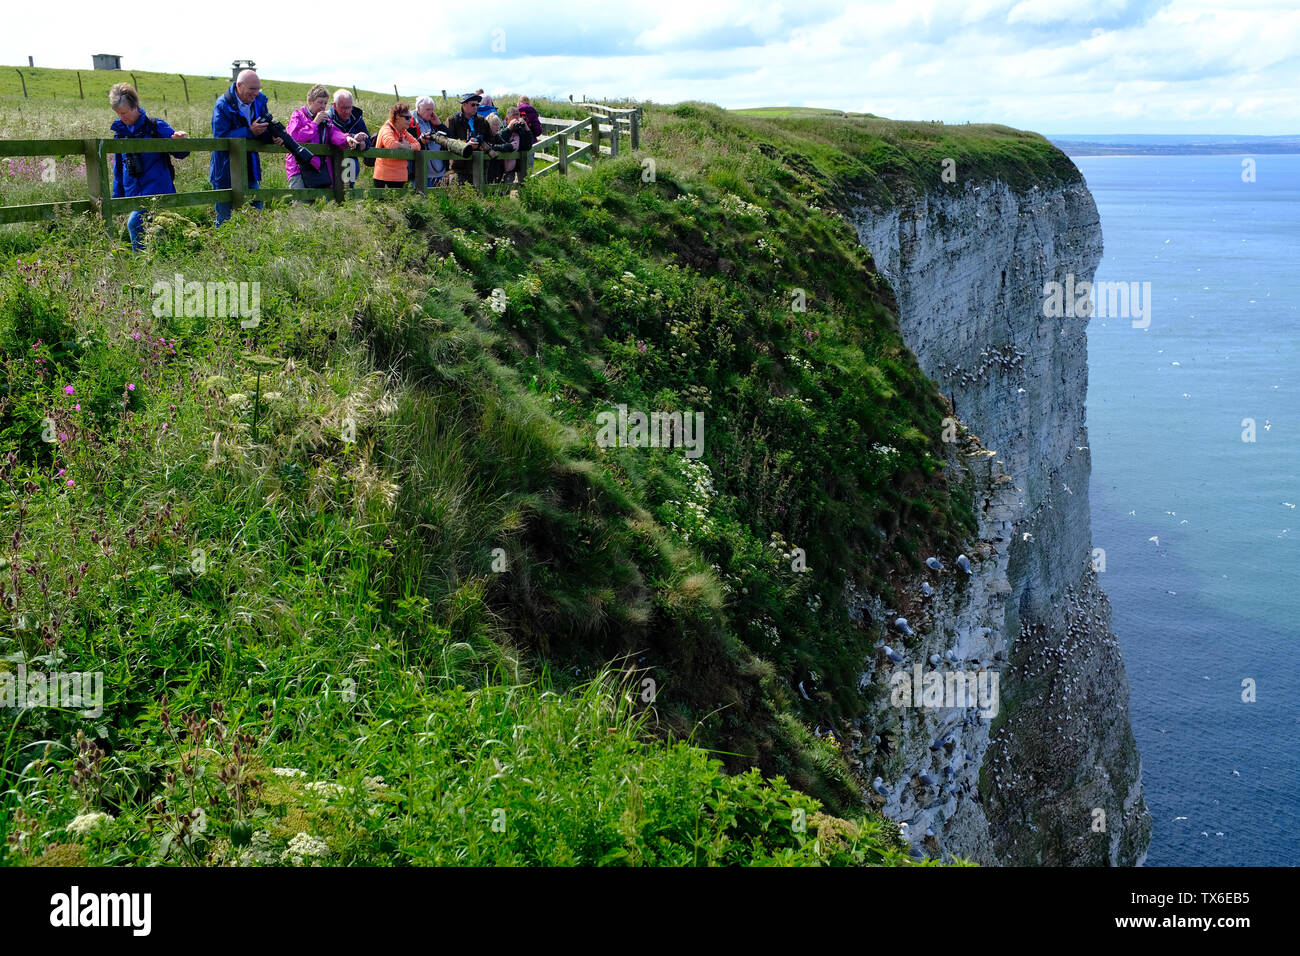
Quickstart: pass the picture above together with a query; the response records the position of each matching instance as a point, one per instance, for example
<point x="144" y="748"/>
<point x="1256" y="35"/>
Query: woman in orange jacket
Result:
<point x="392" y="173"/>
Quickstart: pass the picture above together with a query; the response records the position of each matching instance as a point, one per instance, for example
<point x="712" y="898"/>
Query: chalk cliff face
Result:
<point x="1054" y="777"/>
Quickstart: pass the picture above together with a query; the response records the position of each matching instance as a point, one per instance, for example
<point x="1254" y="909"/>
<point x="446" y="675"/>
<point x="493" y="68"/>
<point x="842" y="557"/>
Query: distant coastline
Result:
<point x="1151" y="144"/>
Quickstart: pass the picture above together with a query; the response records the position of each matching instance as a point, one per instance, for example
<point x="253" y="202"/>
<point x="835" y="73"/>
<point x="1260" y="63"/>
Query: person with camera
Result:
<point x="310" y="124"/>
<point x="140" y="174"/>
<point x="467" y="125"/>
<point x="348" y="118"/>
<point x="522" y="139"/>
<point x="423" y="127"/>
<point x="498" y="142"/>
<point x="393" y="173"/>
<point x="239" y="112"/>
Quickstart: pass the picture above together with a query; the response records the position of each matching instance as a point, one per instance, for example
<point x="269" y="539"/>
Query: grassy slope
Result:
<point x="339" y="599"/>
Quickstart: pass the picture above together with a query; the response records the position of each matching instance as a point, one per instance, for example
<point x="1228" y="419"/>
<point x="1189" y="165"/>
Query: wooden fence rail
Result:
<point x="99" y="180"/>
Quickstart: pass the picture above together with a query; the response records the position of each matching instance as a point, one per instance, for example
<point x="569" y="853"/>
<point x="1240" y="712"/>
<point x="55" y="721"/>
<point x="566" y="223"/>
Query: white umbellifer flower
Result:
<point x="326" y="788"/>
<point x="374" y="783"/>
<point x="304" y="847"/>
<point x="288" y="772"/>
<point x="88" y="821"/>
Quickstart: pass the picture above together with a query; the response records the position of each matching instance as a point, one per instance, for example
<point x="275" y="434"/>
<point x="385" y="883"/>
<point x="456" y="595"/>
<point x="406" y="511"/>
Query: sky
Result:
<point x="1054" y="66"/>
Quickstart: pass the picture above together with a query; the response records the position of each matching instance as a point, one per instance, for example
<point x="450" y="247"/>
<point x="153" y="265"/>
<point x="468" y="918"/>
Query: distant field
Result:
<point x="50" y="83"/>
<point x="795" y="111"/>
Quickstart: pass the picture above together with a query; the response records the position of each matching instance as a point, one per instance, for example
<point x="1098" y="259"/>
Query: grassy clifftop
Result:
<point x="375" y="544"/>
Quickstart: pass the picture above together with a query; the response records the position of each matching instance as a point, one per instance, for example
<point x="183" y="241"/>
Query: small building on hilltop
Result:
<point x="106" y="61"/>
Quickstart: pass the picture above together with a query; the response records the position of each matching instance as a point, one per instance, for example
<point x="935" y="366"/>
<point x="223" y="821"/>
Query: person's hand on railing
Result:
<point x="355" y="141"/>
<point x="178" y="134"/>
<point x="361" y="139"/>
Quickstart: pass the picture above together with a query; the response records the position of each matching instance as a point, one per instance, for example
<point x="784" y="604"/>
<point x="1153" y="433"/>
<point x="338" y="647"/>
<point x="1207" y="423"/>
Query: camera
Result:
<point x="274" y="129"/>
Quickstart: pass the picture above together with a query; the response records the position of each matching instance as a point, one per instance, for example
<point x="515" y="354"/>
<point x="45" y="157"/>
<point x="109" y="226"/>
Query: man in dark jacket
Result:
<point x="348" y="118"/>
<point x="239" y="112"/>
<point x="469" y="126"/>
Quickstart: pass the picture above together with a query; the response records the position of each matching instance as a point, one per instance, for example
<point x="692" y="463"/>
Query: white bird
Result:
<point x="934" y="564"/>
<point x="878" y="785"/>
<point x="1176" y="819"/>
<point x="1026" y="537"/>
<point x="893" y="655"/>
<point x="804" y="692"/>
<point x="926" y="589"/>
<point x="1236" y="773"/>
<point x="1155" y="538"/>
<point x="963" y="562"/>
<point x="902" y="625"/>
<point x="935" y="660"/>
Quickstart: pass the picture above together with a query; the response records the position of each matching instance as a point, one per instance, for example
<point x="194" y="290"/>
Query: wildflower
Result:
<point x="78" y="406"/>
<point x="305" y="847"/>
<point x="288" y="772"/>
<point x="71" y="483"/>
<point x="68" y="390"/>
<point x="62" y="472"/>
<point x="88" y="821"/>
<point x="130" y="386"/>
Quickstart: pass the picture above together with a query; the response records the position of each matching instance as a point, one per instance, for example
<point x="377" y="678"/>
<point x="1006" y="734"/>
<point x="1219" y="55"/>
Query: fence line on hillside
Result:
<point x="603" y="139"/>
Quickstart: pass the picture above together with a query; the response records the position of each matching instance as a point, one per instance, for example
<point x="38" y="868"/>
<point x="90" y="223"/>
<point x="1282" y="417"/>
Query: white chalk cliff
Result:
<point x="1055" y="777"/>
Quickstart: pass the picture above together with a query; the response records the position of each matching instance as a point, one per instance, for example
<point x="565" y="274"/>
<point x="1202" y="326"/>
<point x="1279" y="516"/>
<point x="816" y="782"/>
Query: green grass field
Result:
<point x="375" y="539"/>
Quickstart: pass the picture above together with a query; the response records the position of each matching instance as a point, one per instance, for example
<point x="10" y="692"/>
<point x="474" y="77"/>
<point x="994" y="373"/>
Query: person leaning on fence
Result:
<point x="468" y="126"/>
<point x="347" y="117"/>
<point x="522" y="139"/>
<point x="238" y="113"/>
<point x="140" y="174"/>
<point x="530" y="116"/>
<point x="310" y="124"/>
<point x="425" y="124"/>
<point x="498" y="142"/>
<point x="392" y="173"/>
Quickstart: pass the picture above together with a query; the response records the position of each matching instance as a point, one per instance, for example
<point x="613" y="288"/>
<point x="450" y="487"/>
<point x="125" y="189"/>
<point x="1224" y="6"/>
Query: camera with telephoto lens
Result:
<point x="274" y="129"/>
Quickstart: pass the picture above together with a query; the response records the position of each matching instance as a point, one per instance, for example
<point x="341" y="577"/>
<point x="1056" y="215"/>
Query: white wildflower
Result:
<point x="86" y="822"/>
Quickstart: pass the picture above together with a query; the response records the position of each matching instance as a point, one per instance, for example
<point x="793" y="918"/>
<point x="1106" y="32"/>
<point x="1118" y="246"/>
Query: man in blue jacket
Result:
<point x="140" y="174"/>
<point x="240" y="111"/>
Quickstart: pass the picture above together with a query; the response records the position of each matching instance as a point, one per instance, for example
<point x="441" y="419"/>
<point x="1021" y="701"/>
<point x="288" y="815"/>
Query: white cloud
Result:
<point x="1051" y="65"/>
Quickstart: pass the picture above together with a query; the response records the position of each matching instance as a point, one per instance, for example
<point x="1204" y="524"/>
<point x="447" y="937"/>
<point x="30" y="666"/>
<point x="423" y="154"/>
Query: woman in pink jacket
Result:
<point x="310" y="124"/>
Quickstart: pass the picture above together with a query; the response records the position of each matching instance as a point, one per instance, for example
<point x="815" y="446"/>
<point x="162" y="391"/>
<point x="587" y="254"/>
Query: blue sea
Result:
<point x="1211" y="607"/>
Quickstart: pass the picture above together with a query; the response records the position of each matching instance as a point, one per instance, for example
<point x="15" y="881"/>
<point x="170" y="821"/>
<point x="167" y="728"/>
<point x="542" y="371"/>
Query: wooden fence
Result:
<point x="603" y="131"/>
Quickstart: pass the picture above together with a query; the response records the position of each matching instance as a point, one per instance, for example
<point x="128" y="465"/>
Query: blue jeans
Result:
<point x="223" y="208"/>
<point x="135" y="229"/>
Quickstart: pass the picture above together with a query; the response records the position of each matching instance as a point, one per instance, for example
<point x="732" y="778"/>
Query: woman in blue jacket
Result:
<point x="139" y="174"/>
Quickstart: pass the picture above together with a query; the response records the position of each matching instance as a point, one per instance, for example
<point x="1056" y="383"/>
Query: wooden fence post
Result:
<point x="186" y="85"/>
<point x="80" y="88"/>
<point x="238" y="172"/>
<point x="24" y="79"/>
<point x="636" y="128"/>
<point x="613" y="136"/>
<point x="96" y="178"/>
<point x="562" y="154"/>
<point x="478" y="170"/>
<point x="339" y="187"/>
<point x="421" y="172"/>
<point x="595" y="138"/>
<point x="135" y="83"/>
